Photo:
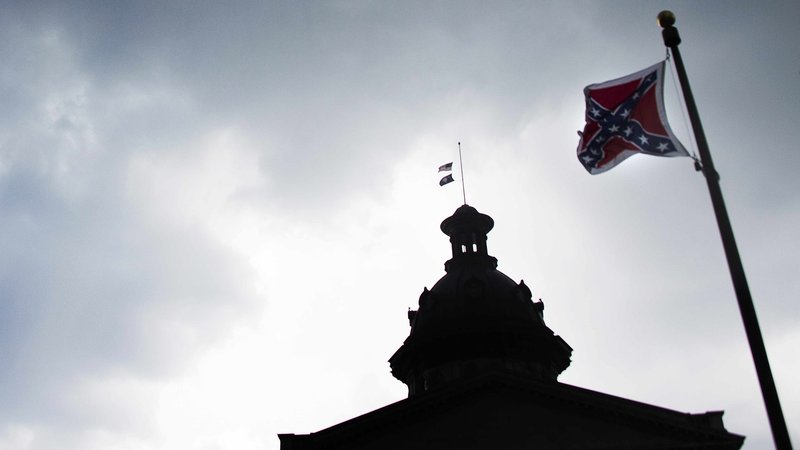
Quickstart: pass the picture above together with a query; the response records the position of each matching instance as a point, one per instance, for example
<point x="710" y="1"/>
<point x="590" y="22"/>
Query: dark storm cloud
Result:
<point x="303" y="78"/>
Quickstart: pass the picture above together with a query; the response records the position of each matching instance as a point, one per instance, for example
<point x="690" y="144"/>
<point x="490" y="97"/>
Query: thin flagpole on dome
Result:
<point x="461" y="166"/>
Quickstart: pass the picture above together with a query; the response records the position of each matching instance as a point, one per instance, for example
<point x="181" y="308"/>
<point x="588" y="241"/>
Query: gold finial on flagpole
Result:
<point x="666" y="19"/>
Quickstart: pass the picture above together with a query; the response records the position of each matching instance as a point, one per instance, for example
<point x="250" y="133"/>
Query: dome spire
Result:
<point x="467" y="229"/>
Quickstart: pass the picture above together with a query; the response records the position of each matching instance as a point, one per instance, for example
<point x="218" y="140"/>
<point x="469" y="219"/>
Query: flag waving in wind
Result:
<point x="623" y="117"/>
<point x="447" y="178"/>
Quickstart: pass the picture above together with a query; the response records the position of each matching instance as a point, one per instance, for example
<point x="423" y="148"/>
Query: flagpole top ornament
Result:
<point x="666" y="19"/>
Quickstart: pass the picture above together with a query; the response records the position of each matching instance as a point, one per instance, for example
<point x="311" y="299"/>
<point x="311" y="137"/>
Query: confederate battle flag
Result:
<point x="623" y="117"/>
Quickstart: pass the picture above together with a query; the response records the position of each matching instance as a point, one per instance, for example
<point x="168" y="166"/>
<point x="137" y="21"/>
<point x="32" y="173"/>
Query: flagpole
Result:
<point x="780" y="433"/>
<point x="461" y="166"/>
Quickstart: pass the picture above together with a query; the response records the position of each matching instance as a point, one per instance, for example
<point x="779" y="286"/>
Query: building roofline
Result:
<point x="705" y="426"/>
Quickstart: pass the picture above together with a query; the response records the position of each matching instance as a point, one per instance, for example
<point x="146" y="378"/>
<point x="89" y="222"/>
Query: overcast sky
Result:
<point x="214" y="218"/>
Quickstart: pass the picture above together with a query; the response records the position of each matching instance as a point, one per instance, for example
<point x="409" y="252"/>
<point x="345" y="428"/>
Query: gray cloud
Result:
<point x="89" y="286"/>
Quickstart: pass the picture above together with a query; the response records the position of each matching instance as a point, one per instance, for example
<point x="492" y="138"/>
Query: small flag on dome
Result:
<point x="446" y="168"/>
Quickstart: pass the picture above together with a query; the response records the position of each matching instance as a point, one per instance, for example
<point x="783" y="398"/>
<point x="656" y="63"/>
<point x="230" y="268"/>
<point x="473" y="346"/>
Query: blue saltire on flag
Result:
<point x="445" y="180"/>
<point x="624" y="117"/>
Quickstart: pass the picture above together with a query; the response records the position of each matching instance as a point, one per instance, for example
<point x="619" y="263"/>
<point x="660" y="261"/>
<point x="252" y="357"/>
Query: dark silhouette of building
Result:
<point x="481" y="368"/>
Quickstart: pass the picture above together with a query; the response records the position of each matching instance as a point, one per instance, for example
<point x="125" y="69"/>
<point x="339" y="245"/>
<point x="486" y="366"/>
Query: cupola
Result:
<point x="475" y="319"/>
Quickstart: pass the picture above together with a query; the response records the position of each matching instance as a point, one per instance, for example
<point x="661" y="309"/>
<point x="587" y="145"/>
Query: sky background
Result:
<point x="213" y="219"/>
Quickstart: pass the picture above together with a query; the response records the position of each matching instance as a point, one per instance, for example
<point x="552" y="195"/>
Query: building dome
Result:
<point x="481" y="369"/>
<point x="475" y="318"/>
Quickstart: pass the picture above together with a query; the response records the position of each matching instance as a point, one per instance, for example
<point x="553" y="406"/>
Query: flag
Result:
<point x="446" y="167"/>
<point x="624" y="117"/>
<point x="445" y="180"/>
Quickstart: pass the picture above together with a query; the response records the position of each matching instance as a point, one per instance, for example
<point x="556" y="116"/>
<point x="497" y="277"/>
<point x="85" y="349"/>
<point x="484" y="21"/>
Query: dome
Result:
<point x="475" y="298"/>
<point x="476" y="318"/>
